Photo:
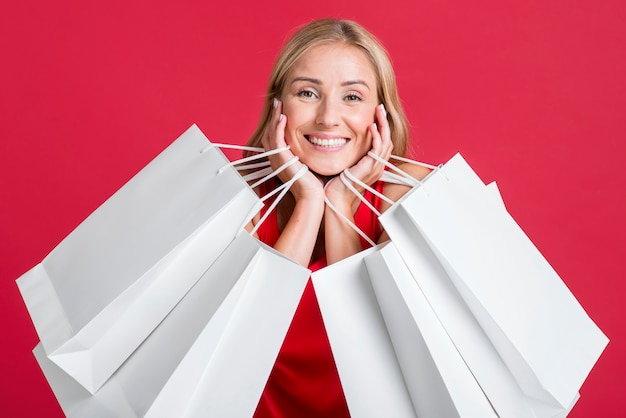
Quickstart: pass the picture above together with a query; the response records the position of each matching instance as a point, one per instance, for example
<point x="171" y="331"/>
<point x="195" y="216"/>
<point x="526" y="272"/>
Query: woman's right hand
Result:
<point x="307" y="186"/>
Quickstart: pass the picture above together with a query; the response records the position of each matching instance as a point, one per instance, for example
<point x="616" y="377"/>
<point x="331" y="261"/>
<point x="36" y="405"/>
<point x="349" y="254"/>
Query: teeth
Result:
<point x="329" y="143"/>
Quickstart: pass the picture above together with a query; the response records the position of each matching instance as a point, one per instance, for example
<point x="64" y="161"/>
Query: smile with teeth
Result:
<point x="327" y="142"/>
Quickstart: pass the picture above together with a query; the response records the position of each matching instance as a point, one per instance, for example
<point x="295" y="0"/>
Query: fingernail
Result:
<point x="375" y="126"/>
<point x="275" y="104"/>
<point x="281" y="117"/>
<point x="382" y="107"/>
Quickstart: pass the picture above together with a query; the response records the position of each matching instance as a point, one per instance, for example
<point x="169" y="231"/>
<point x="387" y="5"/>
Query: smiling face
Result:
<point x="329" y="98"/>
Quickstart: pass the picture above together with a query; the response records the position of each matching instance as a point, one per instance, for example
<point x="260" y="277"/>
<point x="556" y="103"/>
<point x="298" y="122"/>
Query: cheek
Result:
<point x="299" y="118"/>
<point x="294" y="116"/>
<point x="368" y="115"/>
<point x="293" y="109"/>
<point x="362" y="121"/>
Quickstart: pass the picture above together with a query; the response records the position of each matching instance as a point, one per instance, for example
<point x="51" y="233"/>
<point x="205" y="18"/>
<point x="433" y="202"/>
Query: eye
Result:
<point x="307" y="94"/>
<point x="352" y="97"/>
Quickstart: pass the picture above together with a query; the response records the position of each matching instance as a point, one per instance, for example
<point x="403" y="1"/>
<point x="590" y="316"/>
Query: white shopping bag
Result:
<point x="438" y="377"/>
<point x="438" y="380"/>
<point x="485" y="364"/>
<point x="368" y="369"/>
<point x="492" y="280"/>
<point x="109" y="284"/>
<point x="213" y="353"/>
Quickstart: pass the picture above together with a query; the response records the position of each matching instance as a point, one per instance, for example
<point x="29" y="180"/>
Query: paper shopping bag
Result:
<point x="491" y="270"/>
<point x="468" y="337"/>
<point x="110" y="282"/>
<point x="368" y="369"/>
<point x="376" y="352"/>
<point x="212" y="354"/>
<point x="478" y="353"/>
<point x="438" y="380"/>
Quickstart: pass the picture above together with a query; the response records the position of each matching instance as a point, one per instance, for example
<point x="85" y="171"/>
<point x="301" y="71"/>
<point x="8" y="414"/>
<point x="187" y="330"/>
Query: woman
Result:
<point x="332" y="98"/>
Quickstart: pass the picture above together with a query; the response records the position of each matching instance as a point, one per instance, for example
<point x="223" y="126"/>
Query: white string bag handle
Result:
<point x="410" y="161"/>
<point x="261" y="154"/>
<point x="345" y="218"/>
<point x="403" y="178"/>
<point x="268" y="173"/>
<point x="346" y="177"/>
<point x="389" y="177"/>
<point x="283" y="189"/>
<point x="262" y="175"/>
<point x="265" y="174"/>
<point x="230" y="146"/>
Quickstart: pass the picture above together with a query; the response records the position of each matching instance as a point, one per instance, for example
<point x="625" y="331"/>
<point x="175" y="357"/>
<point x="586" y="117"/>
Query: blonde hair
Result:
<point x="325" y="31"/>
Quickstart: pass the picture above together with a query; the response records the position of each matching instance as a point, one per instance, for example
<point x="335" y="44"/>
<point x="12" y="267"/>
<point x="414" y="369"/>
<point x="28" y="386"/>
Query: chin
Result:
<point x="326" y="170"/>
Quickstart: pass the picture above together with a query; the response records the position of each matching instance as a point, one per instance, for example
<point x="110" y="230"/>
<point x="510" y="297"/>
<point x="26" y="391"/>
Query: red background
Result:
<point x="531" y="93"/>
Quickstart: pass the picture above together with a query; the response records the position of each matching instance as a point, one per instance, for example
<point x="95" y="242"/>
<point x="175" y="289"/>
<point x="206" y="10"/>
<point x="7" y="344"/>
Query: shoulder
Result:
<point x="396" y="191"/>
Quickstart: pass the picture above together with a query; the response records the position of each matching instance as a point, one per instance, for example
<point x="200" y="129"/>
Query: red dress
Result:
<point x="304" y="381"/>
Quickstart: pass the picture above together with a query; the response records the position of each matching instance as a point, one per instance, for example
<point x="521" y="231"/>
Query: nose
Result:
<point x="327" y="113"/>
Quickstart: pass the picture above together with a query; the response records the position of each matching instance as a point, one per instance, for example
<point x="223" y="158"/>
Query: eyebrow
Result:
<point x="319" y="82"/>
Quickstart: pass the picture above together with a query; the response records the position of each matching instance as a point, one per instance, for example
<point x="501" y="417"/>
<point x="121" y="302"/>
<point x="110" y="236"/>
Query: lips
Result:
<point x="326" y="142"/>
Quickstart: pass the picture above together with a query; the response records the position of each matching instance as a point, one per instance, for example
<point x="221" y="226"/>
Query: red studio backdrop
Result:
<point x="531" y="93"/>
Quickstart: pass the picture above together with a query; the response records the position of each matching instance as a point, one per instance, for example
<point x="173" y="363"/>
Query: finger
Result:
<point x="380" y="147"/>
<point x="377" y="143"/>
<point x="385" y="130"/>
<point x="275" y="132"/>
<point x="277" y="109"/>
<point x="280" y="131"/>
<point x="266" y="140"/>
